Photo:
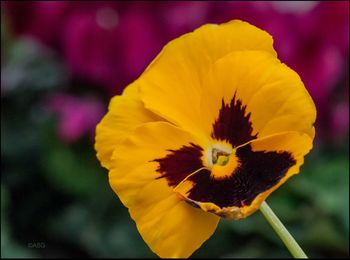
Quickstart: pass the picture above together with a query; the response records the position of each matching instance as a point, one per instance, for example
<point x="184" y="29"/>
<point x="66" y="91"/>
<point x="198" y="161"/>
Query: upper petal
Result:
<point x="254" y="95"/>
<point x="172" y="85"/>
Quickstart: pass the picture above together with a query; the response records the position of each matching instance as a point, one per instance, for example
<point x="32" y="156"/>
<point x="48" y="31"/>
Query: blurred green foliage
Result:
<point x="58" y="194"/>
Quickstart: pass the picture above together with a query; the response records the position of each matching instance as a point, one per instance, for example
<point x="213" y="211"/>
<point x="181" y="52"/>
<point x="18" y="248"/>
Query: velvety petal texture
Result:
<point x="214" y="125"/>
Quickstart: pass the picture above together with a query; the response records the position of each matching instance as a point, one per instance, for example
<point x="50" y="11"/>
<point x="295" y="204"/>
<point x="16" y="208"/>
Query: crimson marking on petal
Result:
<point x="258" y="172"/>
<point x="178" y="164"/>
<point x="232" y="124"/>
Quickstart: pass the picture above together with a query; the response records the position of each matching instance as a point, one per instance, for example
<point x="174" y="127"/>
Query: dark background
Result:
<point x="61" y="62"/>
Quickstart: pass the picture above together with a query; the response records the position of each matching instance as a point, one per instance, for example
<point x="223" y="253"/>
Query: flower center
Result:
<point x="221" y="160"/>
<point x="217" y="154"/>
<point x="225" y="166"/>
<point x="219" y="157"/>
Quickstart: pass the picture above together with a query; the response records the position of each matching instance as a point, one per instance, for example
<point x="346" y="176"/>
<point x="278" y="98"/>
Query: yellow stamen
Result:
<point x="225" y="166"/>
<point x="222" y="160"/>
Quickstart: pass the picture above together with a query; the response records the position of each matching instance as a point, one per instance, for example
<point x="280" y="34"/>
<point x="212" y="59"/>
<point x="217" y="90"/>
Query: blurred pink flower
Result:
<point x="43" y="20"/>
<point x="339" y="115"/>
<point x="110" y="47"/>
<point x="77" y="116"/>
<point x="340" y="120"/>
<point x="107" y="43"/>
<point x="179" y="17"/>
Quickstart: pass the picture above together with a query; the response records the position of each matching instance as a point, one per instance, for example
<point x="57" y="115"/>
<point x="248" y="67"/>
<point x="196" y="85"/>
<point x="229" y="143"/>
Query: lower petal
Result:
<point x="170" y="226"/>
<point x="261" y="166"/>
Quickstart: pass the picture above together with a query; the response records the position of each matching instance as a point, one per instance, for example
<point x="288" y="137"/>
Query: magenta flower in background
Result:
<point x="107" y="43"/>
<point x="179" y="17"/>
<point x="77" y="116"/>
<point x="108" y="46"/>
<point x="340" y="120"/>
<point x="41" y="20"/>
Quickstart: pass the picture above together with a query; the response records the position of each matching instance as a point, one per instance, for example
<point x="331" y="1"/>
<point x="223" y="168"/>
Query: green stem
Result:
<point x="282" y="232"/>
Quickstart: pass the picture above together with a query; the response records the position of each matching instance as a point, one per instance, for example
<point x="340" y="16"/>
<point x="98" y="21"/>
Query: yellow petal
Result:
<point x="272" y="95"/>
<point x="172" y="85"/>
<point x="125" y="113"/>
<point x="169" y="225"/>
<point x="263" y="165"/>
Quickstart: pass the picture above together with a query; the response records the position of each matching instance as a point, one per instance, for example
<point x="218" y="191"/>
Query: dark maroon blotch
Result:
<point x="233" y="123"/>
<point x="178" y="164"/>
<point x="258" y="172"/>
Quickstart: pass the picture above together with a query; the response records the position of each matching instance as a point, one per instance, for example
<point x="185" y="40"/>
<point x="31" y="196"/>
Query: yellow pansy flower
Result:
<point x="213" y="125"/>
